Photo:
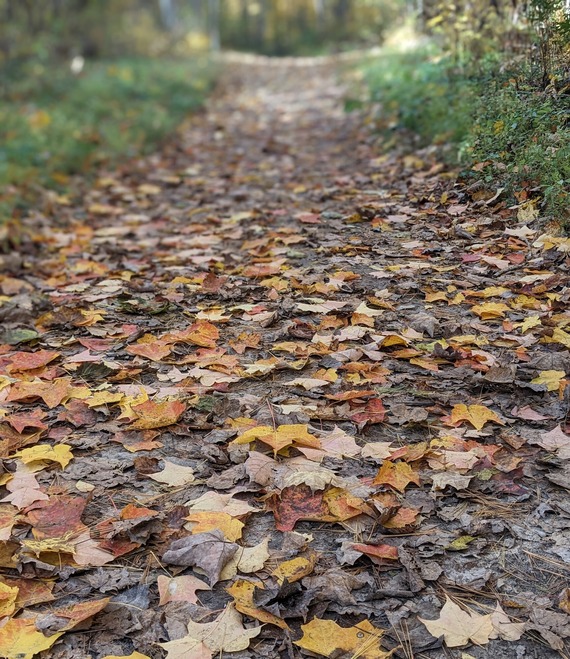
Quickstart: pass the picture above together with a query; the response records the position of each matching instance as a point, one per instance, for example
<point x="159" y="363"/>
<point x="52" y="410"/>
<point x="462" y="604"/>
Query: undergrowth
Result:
<point x="54" y="124"/>
<point x="487" y="117"/>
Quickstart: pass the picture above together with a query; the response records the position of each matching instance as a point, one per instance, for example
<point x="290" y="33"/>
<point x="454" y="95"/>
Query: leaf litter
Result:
<point x="305" y="399"/>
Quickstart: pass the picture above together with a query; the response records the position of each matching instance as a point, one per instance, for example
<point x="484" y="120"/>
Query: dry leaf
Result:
<point x="242" y="591"/>
<point x="396" y="474"/>
<point x="476" y="415"/>
<point x="458" y="627"/>
<point x="326" y="638"/>
<point x="157" y="414"/>
<point x="225" y="634"/>
<point x="174" y="475"/>
<point x="19" y="639"/>
<point x="179" y="589"/>
<point x="208" y="551"/>
<point x="282" y="437"/>
<point x="200" y="522"/>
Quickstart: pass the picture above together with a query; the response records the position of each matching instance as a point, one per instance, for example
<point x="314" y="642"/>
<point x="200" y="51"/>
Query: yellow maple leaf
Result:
<point x="295" y="569"/>
<point x="552" y="379"/>
<point x="60" y="453"/>
<point x="325" y="637"/>
<point x="459" y="627"/>
<point x="529" y="323"/>
<point x="476" y="415"/>
<point x="19" y="639"/>
<point x="8" y="596"/>
<point x="202" y="522"/>
<point x="104" y="398"/>
<point x="558" y="336"/>
<point x="396" y="474"/>
<point x="283" y="436"/>
<point x="490" y="310"/>
<point x="242" y="591"/>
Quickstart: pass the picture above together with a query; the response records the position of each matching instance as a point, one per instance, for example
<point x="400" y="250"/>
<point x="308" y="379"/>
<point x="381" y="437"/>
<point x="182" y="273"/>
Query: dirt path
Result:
<point x="272" y="336"/>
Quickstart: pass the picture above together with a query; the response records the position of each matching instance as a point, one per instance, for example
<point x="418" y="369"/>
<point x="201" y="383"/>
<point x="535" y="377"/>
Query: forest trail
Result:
<point x="272" y="336"/>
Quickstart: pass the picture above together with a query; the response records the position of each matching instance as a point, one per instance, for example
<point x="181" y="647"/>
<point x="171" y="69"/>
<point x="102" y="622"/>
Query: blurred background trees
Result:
<point x="107" y="28"/>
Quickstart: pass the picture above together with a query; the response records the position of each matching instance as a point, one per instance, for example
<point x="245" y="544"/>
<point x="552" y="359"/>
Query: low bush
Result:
<point x="483" y="114"/>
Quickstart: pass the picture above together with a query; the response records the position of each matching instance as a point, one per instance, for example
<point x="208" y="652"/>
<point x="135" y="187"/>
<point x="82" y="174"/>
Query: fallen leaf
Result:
<point x="459" y="627"/>
<point x="246" y="560"/>
<point x="200" y="522"/>
<point x="327" y="638"/>
<point x="282" y="437"/>
<point x="174" y="475"/>
<point x="157" y="414"/>
<point x="208" y="551"/>
<point x="179" y="589"/>
<point x="295" y="569"/>
<point x="396" y="474"/>
<point x="8" y="597"/>
<point x="504" y="628"/>
<point x="225" y="634"/>
<point x="133" y="655"/>
<point x="61" y="453"/>
<point x="29" y="361"/>
<point x="19" y="639"/>
<point x="476" y="415"/>
<point x="384" y="552"/>
<point x="242" y="591"/>
<point x="551" y="379"/>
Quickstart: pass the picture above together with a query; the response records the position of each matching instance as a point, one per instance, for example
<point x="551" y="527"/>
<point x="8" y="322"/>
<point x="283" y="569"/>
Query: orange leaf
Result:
<point x="202" y="522"/>
<point x="157" y="414"/>
<point x="28" y="361"/>
<point x="378" y="551"/>
<point x="396" y="474"/>
<point x="476" y="415"/>
<point x="287" y="435"/>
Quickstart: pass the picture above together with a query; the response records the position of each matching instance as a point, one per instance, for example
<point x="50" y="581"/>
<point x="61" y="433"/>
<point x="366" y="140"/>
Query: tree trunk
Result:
<point x="167" y="14"/>
<point x="214" y="24"/>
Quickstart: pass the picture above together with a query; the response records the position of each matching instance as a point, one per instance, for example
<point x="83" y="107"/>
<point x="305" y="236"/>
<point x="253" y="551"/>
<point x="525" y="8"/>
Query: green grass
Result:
<point x="481" y="112"/>
<point x="54" y="124"/>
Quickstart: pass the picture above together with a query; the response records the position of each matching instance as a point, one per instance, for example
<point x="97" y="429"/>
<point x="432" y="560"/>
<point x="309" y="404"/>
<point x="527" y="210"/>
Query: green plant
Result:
<point x="486" y="113"/>
<point x="54" y="124"/>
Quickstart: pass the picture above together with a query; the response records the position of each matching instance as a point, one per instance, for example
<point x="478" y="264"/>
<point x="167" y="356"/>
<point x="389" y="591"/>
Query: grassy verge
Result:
<point x="54" y="124"/>
<point x="487" y="117"/>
